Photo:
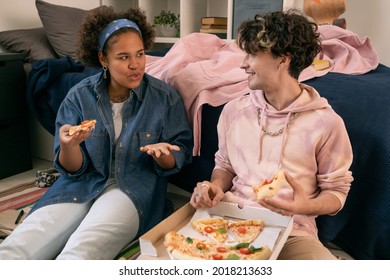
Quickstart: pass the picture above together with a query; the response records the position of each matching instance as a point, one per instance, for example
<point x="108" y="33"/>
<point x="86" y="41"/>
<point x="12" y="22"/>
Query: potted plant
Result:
<point x="168" y="22"/>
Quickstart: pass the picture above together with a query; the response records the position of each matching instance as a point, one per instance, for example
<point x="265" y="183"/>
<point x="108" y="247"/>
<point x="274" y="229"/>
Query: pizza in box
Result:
<point x="222" y="240"/>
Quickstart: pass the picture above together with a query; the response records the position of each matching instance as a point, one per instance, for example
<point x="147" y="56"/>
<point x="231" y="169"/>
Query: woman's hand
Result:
<point x="70" y="156"/>
<point x="206" y="195"/>
<point x="74" y="140"/>
<point x="159" y="149"/>
<point x="161" y="153"/>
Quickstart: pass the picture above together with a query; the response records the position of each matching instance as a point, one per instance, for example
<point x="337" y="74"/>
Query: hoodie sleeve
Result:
<point x="334" y="160"/>
<point x="222" y="160"/>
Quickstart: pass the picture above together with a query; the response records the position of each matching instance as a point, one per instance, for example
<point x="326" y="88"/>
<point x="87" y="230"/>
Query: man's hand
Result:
<point x="206" y="195"/>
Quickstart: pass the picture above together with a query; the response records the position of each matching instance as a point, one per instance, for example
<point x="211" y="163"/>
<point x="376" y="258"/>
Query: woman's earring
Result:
<point x="105" y="72"/>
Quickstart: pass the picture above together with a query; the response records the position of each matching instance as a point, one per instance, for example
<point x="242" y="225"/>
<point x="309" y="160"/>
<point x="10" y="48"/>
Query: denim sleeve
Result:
<point x="67" y="114"/>
<point x="177" y="131"/>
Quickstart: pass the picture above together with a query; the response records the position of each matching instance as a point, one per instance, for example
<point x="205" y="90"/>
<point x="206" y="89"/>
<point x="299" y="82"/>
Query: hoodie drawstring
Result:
<point x="286" y="124"/>
<point x="260" y="119"/>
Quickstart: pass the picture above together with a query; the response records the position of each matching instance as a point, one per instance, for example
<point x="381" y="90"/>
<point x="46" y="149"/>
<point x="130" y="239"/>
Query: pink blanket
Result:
<point x="205" y="69"/>
<point x="347" y="52"/>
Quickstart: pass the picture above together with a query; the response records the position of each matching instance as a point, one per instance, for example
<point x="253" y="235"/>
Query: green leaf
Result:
<point x="254" y="249"/>
<point x="222" y="230"/>
<point x="189" y="240"/>
<point x="240" y="245"/>
<point x="166" y="17"/>
<point x="233" y="257"/>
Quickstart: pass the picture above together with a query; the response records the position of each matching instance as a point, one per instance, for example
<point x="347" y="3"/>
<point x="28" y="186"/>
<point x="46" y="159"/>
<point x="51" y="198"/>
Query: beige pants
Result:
<point x="305" y="248"/>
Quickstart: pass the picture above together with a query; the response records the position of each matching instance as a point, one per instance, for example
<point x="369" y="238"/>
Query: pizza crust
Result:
<point x="269" y="189"/>
<point x="264" y="254"/>
<point x="177" y="255"/>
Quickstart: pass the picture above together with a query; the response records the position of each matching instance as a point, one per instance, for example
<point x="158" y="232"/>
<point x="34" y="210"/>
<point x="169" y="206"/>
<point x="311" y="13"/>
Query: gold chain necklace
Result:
<point x="280" y="131"/>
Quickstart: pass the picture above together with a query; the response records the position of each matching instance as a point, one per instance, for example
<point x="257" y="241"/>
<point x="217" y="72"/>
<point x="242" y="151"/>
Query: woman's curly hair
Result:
<point x="96" y="20"/>
<point x="282" y="33"/>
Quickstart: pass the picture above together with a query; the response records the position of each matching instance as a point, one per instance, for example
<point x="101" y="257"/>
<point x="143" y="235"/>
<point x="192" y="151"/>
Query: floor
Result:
<point x="25" y="177"/>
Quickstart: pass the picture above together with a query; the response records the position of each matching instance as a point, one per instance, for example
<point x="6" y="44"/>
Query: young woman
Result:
<point x="113" y="182"/>
<point x="281" y="125"/>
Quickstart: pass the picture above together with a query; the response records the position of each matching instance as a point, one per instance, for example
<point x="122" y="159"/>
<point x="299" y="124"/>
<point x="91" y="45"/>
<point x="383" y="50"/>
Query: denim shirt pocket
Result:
<point x="96" y="147"/>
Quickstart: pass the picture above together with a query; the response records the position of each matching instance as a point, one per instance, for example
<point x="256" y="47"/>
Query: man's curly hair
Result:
<point x="96" y="20"/>
<point x="282" y="33"/>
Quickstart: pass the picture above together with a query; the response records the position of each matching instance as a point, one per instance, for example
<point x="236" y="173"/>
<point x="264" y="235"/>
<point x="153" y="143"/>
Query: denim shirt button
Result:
<point x="75" y="199"/>
<point x="148" y="135"/>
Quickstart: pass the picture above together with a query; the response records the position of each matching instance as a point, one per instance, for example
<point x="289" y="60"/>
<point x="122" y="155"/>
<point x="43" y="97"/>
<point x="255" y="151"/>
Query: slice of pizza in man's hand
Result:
<point x="85" y="125"/>
<point x="269" y="188"/>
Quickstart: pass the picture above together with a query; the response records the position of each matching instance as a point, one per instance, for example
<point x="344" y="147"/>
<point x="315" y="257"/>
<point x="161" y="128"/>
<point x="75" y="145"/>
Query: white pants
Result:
<point x="95" y="230"/>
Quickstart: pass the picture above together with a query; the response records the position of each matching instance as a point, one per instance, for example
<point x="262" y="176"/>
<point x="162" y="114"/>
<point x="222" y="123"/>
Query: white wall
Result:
<point x="23" y="13"/>
<point x="371" y="19"/>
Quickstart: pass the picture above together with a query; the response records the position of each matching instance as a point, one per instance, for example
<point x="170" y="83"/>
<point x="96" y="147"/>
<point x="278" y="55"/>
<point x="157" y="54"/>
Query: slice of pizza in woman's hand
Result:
<point x="269" y="188"/>
<point x="85" y="125"/>
<point x="215" y="228"/>
<point x="246" y="231"/>
<point x="189" y="248"/>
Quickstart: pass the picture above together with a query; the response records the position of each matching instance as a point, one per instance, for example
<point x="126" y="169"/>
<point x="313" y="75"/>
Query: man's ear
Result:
<point x="285" y="59"/>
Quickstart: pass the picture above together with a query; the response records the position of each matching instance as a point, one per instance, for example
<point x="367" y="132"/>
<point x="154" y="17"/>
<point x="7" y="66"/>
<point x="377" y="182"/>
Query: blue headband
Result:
<point x="114" y="26"/>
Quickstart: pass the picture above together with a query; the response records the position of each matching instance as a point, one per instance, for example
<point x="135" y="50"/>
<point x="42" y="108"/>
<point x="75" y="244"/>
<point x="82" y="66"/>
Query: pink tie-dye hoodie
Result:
<point x="314" y="148"/>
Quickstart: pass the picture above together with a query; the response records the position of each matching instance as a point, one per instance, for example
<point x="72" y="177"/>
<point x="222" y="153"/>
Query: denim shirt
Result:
<point x="154" y="113"/>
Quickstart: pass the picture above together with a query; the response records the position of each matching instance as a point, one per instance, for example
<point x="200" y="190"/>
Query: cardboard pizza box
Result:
<point x="276" y="231"/>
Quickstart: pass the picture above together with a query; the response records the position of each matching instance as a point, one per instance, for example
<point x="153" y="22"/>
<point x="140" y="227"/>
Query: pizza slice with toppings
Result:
<point x="189" y="248"/>
<point x="268" y="188"/>
<point x="215" y="228"/>
<point x="85" y="125"/>
<point x="246" y="231"/>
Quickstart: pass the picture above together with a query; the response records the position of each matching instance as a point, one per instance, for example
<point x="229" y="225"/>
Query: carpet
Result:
<point x="15" y="203"/>
<point x="20" y="196"/>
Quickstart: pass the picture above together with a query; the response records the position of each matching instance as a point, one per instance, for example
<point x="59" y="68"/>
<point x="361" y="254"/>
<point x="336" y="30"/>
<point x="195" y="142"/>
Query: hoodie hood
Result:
<point x="309" y="100"/>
